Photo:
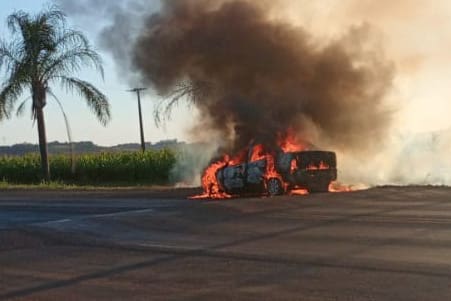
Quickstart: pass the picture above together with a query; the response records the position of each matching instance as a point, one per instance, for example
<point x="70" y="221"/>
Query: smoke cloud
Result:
<point x="256" y="76"/>
<point x="117" y="24"/>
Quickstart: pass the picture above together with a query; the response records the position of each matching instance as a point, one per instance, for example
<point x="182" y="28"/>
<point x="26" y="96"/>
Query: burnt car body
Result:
<point x="310" y="170"/>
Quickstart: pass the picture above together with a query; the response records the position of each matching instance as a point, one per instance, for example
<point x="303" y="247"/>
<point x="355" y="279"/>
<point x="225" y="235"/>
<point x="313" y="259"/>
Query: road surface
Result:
<point x="391" y="243"/>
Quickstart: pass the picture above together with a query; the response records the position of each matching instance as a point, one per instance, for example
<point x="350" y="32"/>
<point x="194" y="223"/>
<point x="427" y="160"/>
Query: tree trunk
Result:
<point x="43" y="144"/>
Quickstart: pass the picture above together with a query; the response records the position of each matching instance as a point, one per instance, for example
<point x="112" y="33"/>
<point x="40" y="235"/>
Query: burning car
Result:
<point x="271" y="173"/>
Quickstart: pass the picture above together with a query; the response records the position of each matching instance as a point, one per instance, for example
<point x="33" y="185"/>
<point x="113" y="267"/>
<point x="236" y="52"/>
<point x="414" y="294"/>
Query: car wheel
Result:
<point x="274" y="187"/>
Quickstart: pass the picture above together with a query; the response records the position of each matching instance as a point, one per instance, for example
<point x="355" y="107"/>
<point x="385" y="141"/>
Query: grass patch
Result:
<point x="103" y="169"/>
<point x="4" y="185"/>
<point x="58" y="186"/>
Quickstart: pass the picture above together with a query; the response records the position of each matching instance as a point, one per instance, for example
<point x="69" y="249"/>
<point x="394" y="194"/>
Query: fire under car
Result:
<point x="309" y="170"/>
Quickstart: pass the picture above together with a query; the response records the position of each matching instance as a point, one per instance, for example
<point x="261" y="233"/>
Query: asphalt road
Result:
<point x="381" y="244"/>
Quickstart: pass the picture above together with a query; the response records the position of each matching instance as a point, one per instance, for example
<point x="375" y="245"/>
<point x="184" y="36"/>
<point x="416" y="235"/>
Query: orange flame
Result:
<point x="299" y="191"/>
<point x="293" y="166"/>
<point x="210" y="184"/>
<point x="258" y="153"/>
<point x="271" y="171"/>
<point x="321" y="166"/>
<point x="287" y="143"/>
<point x="338" y="187"/>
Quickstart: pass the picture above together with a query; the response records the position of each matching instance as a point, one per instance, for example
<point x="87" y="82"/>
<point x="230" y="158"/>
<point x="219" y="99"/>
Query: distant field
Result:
<point x="151" y="167"/>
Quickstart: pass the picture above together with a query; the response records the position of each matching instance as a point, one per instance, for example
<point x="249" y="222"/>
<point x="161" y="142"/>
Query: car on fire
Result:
<point x="310" y="170"/>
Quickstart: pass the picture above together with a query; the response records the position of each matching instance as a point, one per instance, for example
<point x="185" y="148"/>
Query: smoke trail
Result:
<point x="117" y="24"/>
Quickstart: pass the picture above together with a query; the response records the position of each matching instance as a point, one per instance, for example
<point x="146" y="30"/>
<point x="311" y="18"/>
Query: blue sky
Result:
<point x="124" y="126"/>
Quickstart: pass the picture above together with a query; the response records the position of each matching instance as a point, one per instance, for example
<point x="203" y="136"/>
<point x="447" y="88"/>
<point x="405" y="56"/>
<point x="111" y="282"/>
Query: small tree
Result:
<point x="44" y="52"/>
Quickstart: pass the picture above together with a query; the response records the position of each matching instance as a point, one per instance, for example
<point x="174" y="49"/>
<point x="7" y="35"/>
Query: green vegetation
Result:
<point x="126" y="168"/>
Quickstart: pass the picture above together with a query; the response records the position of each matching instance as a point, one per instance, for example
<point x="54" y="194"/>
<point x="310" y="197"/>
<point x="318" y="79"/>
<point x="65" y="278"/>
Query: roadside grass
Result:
<point x="54" y="185"/>
<point x="4" y="185"/>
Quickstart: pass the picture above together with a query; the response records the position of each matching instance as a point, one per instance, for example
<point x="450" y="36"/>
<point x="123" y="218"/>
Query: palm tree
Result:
<point x="41" y="53"/>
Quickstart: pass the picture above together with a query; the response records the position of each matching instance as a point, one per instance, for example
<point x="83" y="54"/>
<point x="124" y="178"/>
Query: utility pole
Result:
<point x="138" y="94"/>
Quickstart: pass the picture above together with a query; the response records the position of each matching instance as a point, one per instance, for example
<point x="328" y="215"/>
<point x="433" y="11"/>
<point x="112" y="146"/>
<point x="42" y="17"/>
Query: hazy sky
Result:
<point x="123" y="128"/>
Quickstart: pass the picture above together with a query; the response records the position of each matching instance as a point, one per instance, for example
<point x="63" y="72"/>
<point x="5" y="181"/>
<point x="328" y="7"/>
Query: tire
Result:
<point x="318" y="186"/>
<point x="274" y="187"/>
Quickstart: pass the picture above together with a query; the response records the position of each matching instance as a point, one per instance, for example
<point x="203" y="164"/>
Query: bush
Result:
<point x="151" y="167"/>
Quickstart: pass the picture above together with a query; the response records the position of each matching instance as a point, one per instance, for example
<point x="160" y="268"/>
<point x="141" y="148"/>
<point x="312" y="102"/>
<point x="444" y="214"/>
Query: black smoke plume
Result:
<point x="253" y="77"/>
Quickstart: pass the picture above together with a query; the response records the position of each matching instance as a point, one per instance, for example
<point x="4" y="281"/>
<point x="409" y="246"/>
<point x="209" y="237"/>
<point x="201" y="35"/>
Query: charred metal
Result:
<point x="309" y="170"/>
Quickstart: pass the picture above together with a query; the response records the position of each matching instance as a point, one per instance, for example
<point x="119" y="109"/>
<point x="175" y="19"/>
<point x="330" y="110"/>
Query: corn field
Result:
<point x="151" y="167"/>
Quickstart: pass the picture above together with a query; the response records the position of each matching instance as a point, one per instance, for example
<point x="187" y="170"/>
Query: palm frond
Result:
<point x="69" y="38"/>
<point x="21" y="108"/>
<point x="68" y="129"/>
<point x="49" y="24"/>
<point x="186" y="90"/>
<point x="16" y="77"/>
<point x="9" y="55"/>
<point x="52" y="16"/>
<point x="17" y="20"/>
<point x="95" y="99"/>
<point x="71" y="60"/>
<point x="66" y="120"/>
<point x="8" y="96"/>
<point x="3" y="112"/>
